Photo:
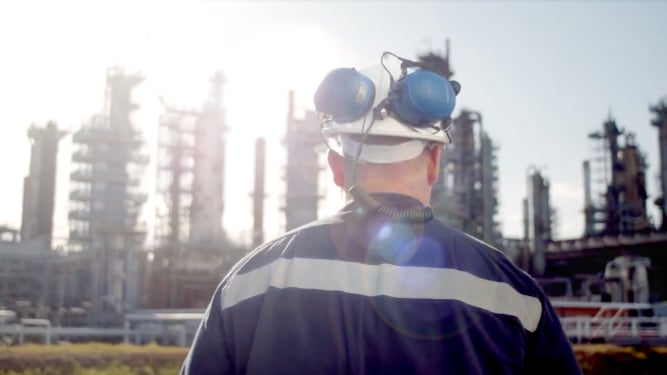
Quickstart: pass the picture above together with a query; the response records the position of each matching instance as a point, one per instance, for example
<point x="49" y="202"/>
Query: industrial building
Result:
<point x="538" y="220"/>
<point x="619" y="173"/>
<point x="466" y="196"/>
<point x="26" y="255"/>
<point x="659" y="112"/>
<point x="23" y="273"/>
<point x="620" y="256"/>
<point x="192" y="252"/>
<point x="258" y="193"/>
<point x="107" y="271"/>
<point x="37" y="280"/>
<point x="106" y="200"/>
<point x="302" y="171"/>
<point x="40" y="185"/>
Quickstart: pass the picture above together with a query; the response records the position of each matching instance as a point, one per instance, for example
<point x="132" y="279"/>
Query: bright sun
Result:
<point x="276" y="59"/>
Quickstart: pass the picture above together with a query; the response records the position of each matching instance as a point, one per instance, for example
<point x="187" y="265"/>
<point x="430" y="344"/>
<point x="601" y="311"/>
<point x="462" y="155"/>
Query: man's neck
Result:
<point x="387" y="186"/>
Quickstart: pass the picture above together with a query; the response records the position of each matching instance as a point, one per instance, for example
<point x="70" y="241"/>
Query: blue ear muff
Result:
<point x="422" y="98"/>
<point x="345" y="95"/>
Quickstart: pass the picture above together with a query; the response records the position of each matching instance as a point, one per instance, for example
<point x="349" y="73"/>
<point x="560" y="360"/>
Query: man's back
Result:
<point x="357" y="293"/>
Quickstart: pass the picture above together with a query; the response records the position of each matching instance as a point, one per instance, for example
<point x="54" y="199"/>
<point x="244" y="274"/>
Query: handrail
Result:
<point x="584" y="328"/>
<point x="180" y="336"/>
<point x="555" y="302"/>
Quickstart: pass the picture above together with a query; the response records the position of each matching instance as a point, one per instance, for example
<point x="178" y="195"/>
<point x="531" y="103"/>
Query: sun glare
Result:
<point x="276" y="59"/>
<point x="260" y="67"/>
<point x="59" y="74"/>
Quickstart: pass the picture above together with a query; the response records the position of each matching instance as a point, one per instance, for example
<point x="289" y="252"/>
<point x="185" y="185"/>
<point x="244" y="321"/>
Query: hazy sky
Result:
<point x="543" y="75"/>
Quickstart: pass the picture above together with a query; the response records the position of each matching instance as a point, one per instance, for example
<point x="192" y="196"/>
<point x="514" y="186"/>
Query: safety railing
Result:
<point x="615" y="329"/>
<point x="175" y="327"/>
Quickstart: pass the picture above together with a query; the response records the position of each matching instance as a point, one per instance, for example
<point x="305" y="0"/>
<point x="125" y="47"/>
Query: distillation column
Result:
<point x="208" y="173"/>
<point x="191" y="246"/>
<point x="259" y="194"/>
<point x="538" y="210"/>
<point x="105" y="201"/>
<point x="660" y="121"/>
<point x="465" y="197"/>
<point x="623" y="209"/>
<point x="303" y="168"/>
<point x="40" y="185"/>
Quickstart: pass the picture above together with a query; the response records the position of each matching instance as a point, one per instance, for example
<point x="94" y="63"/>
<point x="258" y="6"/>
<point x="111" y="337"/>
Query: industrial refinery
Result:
<point x="105" y="274"/>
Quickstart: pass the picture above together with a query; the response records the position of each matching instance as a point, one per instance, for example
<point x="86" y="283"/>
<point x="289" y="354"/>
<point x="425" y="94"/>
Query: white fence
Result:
<point x="625" y="330"/>
<point x="177" y="327"/>
<point x="167" y="327"/>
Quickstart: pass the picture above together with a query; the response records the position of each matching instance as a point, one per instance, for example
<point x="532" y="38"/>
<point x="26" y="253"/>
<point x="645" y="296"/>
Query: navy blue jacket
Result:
<point x="359" y="294"/>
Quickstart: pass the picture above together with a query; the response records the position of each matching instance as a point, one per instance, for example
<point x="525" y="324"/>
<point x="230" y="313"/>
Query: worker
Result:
<point x="381" y="287"/>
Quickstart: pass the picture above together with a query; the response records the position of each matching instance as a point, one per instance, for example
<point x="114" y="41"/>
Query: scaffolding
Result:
<point x="105" y="200"/>
<point x="465" y="197"/>
<point x="303" y="167"/>
<point x="191" y="248"/>
<point x="615" y="184"/>
<point x="174" y="176"/>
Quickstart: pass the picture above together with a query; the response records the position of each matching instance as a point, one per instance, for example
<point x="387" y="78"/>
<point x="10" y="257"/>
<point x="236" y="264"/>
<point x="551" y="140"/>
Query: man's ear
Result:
<point x="433" y="168"/>
<point x="337" y="165"/>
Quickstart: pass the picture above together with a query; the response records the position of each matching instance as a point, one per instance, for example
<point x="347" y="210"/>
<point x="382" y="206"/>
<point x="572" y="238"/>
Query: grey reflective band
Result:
<point x="385" y="280"/>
